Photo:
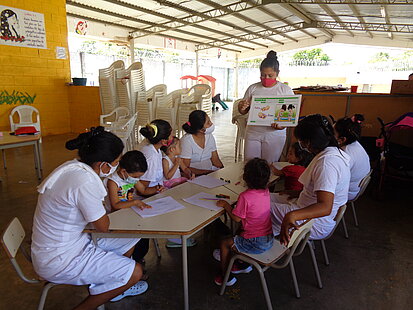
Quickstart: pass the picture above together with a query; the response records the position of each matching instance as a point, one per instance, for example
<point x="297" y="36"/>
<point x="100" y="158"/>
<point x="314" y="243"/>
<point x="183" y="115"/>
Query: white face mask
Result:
<point x="112" y="170"/>
<point x="303" y="148"/>
<point x="210" y="129"/>
<point x="131" y="180"/>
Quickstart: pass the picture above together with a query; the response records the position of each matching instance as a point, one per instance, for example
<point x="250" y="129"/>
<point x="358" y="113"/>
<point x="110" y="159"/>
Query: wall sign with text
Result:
<point x="22" y="28"/>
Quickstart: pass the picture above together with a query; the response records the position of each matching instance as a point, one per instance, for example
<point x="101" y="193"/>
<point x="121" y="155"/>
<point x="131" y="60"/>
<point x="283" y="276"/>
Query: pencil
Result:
<point x="209" y="199"/>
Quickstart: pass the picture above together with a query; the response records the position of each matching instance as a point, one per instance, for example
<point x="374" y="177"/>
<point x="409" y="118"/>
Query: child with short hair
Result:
<point x="253" y="211"/>
<point x="299" y="159"/>
<point x="172" y="163"/>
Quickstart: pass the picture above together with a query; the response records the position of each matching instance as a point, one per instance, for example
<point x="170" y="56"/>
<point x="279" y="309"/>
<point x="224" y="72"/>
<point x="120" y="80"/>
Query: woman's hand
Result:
<point x="287" y="223"/>
<point x="277" y="127"/>
<point x="160" y="188"/>
<point x="243" y="106"/>
<point x="141" y="205"/>
<point x="192" y="176"/>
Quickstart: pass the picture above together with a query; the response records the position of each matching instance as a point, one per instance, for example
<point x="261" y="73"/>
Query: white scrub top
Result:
<point x="359" y="166"/>
<point x="154" y="174"/>
<point x="258" y="90"/>
<point x="200" y="157"/>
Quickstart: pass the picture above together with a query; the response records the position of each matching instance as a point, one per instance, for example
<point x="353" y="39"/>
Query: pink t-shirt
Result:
<point x="253" y="207"/>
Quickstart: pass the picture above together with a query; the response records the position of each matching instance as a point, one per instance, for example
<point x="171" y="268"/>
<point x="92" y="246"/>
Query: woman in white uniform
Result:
<point x="325" y="182"/>
<point x="262" y="141"/>
<point x="70" y="198"/>
<point x="199" y="150"/>
<point x="158" y="133"/>
<point x="348" y="132"/>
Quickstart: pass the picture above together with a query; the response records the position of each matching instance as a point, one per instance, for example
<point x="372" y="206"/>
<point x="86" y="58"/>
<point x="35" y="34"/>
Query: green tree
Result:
<point x="313" y="57"/>
<point x="380" y="57"/>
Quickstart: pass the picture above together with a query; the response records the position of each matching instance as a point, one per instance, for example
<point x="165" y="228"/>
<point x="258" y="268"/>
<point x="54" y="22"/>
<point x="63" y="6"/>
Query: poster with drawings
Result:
<point x="22" y="28"/>
<point x="282" y="110"/>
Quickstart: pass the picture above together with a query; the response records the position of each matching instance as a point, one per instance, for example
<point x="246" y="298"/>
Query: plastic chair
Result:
<point x="337" y="219"/>
<point x="11" y="240"/>
<point x="167" y="107"/>
<point x="118" y="114"/>
<point x="241" y="122"/>
<point x="107" y="86"/>
<point x="25" y="113"/>
<point x="126" y="132"/>
<point x="278" y="257"/>
<point x="363" y="185"/>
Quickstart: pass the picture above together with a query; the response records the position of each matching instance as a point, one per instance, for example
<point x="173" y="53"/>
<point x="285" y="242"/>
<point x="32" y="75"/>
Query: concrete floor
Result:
<point x="371" y="270"/>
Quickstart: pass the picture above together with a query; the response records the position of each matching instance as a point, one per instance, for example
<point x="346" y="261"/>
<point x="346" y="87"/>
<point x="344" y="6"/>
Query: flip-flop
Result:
<point x="189" y="243"/>
<point x="137" y="289"/>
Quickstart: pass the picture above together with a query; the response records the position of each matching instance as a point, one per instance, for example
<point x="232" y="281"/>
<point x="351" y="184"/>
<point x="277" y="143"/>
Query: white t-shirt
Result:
<point x="177" y="173"/>
<point x="258" y="89"/>
<point x="359" y="166"/>
<point x="200" y="157"/>
<point x="329" y="171"/>
<point x="69" y="199"/>
<point x="154" y="174"/>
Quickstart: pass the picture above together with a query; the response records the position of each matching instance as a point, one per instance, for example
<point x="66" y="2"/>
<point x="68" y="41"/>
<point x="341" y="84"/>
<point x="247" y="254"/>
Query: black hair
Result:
<point x="284" y="107"/>
<point x="317" y="131"/>
<point x="304" y="157"/>
<point x="257" y="173"/>
<point x="162" y="132"/>
<point x="411" y="74"/>
<point x="196" y="122"/>
<point x="271" y="62"/>
<point x="166" y="149"/>
<point x="349" y="128"/>
<point x="290" y="107"/>
<point x="133" y="161"/>
<point x="96" y="145"/>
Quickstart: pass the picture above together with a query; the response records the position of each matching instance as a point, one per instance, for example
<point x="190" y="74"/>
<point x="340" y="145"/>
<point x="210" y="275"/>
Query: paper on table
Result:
<point x="280" y="165"/>
<point x="208" y="181"/>
<point x="208" y="204"/>
<point x="159" y="206"/>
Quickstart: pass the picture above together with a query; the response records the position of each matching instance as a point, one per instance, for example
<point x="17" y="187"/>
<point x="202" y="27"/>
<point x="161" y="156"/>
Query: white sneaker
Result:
<point x="217" y="254"/>
<point x="137" y="289"/>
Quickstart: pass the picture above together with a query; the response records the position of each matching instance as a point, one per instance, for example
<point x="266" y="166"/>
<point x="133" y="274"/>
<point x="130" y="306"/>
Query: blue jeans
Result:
<point x="256" y="245"/>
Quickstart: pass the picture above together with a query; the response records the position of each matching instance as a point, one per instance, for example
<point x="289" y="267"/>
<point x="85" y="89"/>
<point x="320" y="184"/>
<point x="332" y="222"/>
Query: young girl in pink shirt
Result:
<point x="253" y="211"/>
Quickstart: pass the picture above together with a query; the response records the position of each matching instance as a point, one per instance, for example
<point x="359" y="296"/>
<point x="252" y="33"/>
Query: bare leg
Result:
<point x="93" y="301"/>
<point x="226" y="245"/>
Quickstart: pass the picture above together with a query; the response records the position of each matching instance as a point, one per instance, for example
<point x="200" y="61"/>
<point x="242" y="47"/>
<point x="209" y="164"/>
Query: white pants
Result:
<point x="267" y="145"/>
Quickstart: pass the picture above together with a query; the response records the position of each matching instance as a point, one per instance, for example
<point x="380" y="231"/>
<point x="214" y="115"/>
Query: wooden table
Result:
<point x="8" y="141"/>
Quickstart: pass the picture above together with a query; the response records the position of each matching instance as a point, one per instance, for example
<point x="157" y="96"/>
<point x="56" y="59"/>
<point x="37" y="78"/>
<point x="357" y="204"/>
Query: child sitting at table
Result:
<point x="172" y="163"/>
<point x="299" y="159"/>
<point x="253" y="211"/>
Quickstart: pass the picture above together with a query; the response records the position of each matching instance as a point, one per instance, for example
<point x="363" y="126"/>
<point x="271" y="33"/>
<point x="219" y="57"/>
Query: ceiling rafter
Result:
<point x="172" y="22"/>
<point x="357" y="14"/>
<point x="201" y="14"/>
<point x="211" y="45"/>
<point x="383" y="2"/>
<point x="401" y="28"/>
<point x="137" y="20"/>
<point x="387" y="19"/>
<point x="246" y="19"/>
<point x="330" y="12"/>
<point x="281" y="19"/>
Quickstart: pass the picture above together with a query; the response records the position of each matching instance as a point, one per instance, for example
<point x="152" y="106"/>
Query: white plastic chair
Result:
<point x="337" y="219"/>
<point x="241" y="122"/>
<point x="107" y="86"/>
<point x="118" y="114"/>
<point x="153" y="94"/>
<point x="278" y="257"/>
<point x="25" y="113"/>
<point x="167" y="107"/>
<point x="363" y="185"/>
<point x="126" y="133"/>
<point x="11" y="240"/>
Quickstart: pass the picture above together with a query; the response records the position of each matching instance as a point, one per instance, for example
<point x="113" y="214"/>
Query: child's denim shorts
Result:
<point x="255" y="245"/>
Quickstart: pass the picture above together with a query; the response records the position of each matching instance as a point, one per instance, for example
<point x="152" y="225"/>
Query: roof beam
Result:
<point x="387" y="19"/>
<point x="205" y="17"/>
<point x="248" y="20"/>
<point x="357" y="14"/>
<point x="281" y="19"/>
<point x="330" y="12"/>
<point x="383" y="2"/>
<point x="137" y="20"/>
<point x="172" y="23"/>
<point x="400" y="28"/>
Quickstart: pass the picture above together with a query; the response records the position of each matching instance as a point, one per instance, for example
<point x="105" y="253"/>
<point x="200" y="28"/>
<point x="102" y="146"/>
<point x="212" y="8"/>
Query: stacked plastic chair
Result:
<point x="152" y="96"/>
<point x="107" y="86"/>
<point x="167" y="107"/>
<point x="241" y="122"/>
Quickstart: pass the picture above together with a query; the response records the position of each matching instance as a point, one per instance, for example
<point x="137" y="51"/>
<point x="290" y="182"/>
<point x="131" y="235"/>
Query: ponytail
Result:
<point x="156" y="131"/>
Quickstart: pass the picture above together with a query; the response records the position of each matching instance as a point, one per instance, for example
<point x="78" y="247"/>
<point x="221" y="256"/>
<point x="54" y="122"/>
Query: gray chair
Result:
<point x="363" y="186"/>
<point x="11" y="240"/>
<point x="278" y="257"/>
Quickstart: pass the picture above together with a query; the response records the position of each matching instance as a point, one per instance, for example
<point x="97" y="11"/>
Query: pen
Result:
<point x="222" y="196"/>
<point x="238" y="183"/>
<point x="209" y="198"/>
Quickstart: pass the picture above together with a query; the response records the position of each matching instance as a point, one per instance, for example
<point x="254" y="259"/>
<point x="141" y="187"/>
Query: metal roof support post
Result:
<point x="132" y="49"/>
<point x="236" y="77"/>
<point x="196" y="63"/>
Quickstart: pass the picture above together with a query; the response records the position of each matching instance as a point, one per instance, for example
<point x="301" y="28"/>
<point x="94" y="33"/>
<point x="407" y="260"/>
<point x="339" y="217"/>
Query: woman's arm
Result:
<point x="115" y="203"/>
<point x="190" y="175"/>
<point x="224" y="204"/>
<point x="215" y="160"/>
<point x="169" y="173"/>
<point x="102" y="224"/>
<point x="187" y="162"/>
<point x="321" y="208"/>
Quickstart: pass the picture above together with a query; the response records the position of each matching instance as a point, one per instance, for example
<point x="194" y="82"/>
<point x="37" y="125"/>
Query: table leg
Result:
<point x="3" y="152"/>
<point x="37" y="160"/>
<point x="185" y="271"/>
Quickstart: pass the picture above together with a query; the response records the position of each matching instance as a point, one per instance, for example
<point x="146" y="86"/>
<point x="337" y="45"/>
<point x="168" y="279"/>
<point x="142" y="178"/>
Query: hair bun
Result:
<point x="272" y="54"/>
<point x="80" y="141"/>
<point x="359" y="117"/>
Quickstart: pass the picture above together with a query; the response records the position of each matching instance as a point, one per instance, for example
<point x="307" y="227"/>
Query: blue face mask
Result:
<point x="131" y="180"/>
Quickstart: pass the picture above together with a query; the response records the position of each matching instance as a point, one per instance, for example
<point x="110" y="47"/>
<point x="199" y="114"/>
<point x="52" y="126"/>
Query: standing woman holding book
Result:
<point x="262" y="141"/>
